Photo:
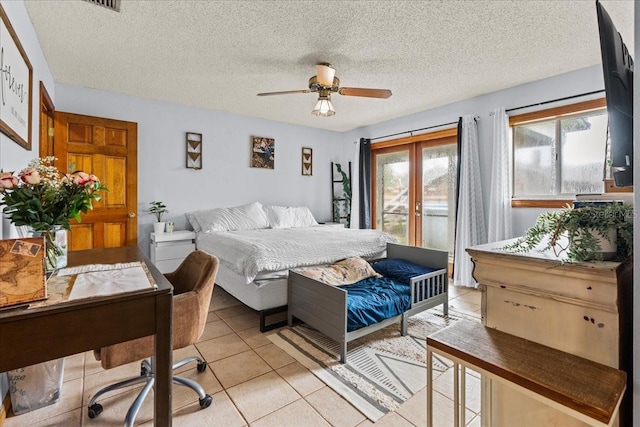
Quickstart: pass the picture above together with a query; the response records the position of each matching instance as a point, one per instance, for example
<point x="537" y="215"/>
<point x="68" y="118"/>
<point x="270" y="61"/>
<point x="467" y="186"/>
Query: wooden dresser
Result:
<point x="583" y="309"/>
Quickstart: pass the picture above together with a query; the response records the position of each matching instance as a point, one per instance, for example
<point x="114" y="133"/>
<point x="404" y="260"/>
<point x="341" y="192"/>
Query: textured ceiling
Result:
<point x="220" y="54"/>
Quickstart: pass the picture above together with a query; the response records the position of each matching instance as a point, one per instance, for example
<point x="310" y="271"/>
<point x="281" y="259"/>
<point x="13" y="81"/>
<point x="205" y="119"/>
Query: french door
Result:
<point x="414" y="189"/>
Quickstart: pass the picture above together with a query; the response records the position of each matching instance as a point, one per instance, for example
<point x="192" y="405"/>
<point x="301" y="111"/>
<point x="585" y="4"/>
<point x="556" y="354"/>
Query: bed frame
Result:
<point x="324" y="307"/>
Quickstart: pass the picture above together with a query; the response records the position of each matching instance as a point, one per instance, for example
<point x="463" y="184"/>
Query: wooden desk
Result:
<point x="38" y="334"/>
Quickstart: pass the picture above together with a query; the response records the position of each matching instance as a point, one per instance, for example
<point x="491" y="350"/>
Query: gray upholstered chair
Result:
<point x="193" y="283"/>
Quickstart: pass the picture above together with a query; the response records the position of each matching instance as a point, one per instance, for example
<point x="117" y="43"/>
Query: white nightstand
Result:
<point x="168" y="250"/>
<point x="332" y="224"/>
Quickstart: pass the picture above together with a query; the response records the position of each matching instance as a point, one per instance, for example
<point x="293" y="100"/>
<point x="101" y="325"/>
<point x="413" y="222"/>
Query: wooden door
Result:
<point x="108" y="149"/>
<point x="47" y="111"/>
<point x="393" y="195"/>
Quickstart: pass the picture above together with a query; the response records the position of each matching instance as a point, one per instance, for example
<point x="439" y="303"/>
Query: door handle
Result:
<point x="418" y="209"/>
<point x="131" y="214"/>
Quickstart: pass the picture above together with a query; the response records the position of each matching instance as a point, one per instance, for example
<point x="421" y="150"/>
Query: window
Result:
<point x="559" y="153"/>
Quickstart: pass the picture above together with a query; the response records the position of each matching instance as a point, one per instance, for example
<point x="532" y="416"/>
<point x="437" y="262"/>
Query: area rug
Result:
<point x="383" y="369"/>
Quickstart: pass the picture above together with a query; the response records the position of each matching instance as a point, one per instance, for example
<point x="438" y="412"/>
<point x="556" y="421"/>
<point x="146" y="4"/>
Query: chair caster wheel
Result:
<point x="202" y="366"/>
<point x="206" y="401"/>
<point x="96" y="409"/>
<point x="143" y="370"/>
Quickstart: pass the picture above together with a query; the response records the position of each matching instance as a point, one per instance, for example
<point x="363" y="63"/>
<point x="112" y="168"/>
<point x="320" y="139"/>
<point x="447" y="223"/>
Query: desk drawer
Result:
<point x="175" y="250"/>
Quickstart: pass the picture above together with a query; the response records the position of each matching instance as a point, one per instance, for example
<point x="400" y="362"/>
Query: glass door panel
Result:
<point x="438" y="183"/>
<point x="392" y="194"/>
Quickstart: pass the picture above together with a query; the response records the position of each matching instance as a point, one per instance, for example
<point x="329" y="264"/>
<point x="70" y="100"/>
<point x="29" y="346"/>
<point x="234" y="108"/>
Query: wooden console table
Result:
<point x="37" y="334"/>
<point x="583" y="309"/>
<point x="583" y="389"/>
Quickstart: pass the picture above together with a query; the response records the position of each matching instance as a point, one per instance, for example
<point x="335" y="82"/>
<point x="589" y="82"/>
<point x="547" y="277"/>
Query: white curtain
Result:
<point x="499" y="223"/>
<point x="470" y="225"/>
<point x="355" y="188"/>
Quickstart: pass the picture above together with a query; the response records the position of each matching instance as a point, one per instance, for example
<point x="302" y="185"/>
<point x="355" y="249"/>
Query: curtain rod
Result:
<point x="416" y="130"/>
<point x="553" y="100"/>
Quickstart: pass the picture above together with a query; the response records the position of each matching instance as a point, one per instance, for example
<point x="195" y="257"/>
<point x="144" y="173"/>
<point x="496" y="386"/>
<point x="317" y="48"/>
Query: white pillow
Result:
<point x="345" y="272"/>
<point x="191" y="216"/>
<point x="290" y="216"/>
<point x="245" y="217"/>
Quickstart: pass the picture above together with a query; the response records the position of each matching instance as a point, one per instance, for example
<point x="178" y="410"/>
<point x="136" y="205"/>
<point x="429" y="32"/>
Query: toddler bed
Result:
<point x="414" y="280"/>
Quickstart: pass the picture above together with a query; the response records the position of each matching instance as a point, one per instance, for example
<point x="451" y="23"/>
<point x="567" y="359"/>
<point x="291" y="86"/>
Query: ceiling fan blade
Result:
<point x="286" y="92"/>
<point x="325" y="74"/>
<point x="369" y="93"/>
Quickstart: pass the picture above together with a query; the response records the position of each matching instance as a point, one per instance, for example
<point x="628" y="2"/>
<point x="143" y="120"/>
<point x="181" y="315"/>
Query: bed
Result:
<point x="257" y="246"/>
<point x="329" y="308"/>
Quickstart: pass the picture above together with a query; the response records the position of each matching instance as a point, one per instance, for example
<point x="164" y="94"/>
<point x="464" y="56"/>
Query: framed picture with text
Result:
<point x="16" y="78"/>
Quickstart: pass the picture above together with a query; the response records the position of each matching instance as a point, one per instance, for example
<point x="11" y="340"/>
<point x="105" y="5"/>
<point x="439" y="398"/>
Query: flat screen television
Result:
<point x="617" y="65"/>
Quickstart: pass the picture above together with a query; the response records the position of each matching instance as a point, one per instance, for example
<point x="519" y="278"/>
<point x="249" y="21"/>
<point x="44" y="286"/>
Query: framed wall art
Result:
<point x="307" y="161"/>
<point x="16" y="77"/>
<point x="263" y="152"/>
<point x="194" y="150"/>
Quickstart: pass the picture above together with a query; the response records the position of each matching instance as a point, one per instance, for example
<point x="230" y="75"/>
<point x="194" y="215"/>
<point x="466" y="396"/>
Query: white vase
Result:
<point x="609" y="247"/>
<point x="158" y="227"/>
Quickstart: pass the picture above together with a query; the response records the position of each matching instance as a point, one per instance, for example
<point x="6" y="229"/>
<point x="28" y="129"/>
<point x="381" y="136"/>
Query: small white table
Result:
<point x="332" y="224"/>
<point x="168" y="250"/>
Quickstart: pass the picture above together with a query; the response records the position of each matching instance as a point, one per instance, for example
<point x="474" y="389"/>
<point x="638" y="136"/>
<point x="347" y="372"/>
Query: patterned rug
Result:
<point x="383" y="369"/>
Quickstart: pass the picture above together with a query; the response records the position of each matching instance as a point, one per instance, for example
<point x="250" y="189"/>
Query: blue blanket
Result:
<point x="374" y="299"/>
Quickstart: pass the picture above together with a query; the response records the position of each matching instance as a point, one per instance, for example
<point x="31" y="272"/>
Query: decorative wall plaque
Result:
<point x="194" y="150"/>
<point x="263" y="152"/>
<point x="307" y="161"/>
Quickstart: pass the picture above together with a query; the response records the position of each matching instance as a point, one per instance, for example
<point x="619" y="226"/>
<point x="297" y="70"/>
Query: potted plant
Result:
<point x="593" y="231"/>
<point x="44" y="199"/>
<point x="158" y="209"/>
<point x="342" y="206"/>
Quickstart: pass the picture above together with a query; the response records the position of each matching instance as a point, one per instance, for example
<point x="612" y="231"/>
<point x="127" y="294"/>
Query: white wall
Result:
<point x="581" y="81"/>
<point x="577" y="82"/>
<point x="226" y="178"/>
<point x="12" y="155"/>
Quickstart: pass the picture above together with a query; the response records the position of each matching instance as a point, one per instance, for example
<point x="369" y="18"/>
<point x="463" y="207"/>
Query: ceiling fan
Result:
<point x="324" y="83"/>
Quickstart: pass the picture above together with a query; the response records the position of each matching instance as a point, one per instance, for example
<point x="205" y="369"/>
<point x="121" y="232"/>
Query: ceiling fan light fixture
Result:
<point x="323" y="107"/>
<point x="325" y="74"/>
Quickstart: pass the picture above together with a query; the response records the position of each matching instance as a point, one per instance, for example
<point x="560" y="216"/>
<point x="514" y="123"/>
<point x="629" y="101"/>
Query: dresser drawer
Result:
<point x="174" y="250"/>
<point x="169" y="265"/>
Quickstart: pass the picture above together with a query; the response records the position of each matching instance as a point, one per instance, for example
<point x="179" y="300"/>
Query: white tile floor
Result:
<point x="253" y="383"/>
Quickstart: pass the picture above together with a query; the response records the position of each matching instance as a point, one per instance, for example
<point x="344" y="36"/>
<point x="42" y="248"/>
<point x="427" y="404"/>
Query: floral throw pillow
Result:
<point x="345" y="272"/>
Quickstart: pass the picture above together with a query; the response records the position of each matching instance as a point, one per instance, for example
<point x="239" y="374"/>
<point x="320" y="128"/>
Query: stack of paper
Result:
<point x="109" y="282"/>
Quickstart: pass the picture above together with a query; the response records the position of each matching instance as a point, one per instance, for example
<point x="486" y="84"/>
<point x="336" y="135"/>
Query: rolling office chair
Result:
<point x="193" y="283"/>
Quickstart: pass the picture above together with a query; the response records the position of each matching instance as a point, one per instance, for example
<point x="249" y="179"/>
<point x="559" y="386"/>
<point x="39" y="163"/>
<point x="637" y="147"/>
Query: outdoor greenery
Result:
<point x="577" y="231"/>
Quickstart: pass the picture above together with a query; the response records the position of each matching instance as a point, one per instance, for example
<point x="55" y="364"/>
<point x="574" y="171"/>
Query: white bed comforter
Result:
<point x="253" y="251"/>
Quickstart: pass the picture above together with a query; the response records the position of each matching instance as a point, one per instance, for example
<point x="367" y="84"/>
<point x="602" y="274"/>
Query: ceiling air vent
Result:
<point x="109" y="4"/>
